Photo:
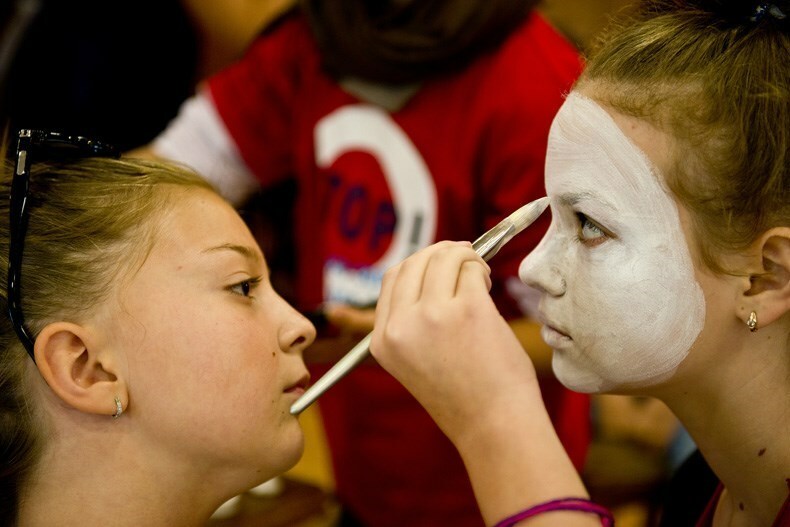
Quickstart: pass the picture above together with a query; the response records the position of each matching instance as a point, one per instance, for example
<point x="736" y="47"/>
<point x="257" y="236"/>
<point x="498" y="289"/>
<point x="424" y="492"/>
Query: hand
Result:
<point x="439" y="333"/>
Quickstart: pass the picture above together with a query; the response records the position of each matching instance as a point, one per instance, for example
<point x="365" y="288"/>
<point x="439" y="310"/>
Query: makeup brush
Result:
<point x="486" y="246"/>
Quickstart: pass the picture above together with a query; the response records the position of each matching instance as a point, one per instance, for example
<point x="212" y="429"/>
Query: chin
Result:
<point x="583" y="380"/>
<point x="296" y="453"/>
<point x="291" y="452"/>
<point x="575" y="378"/>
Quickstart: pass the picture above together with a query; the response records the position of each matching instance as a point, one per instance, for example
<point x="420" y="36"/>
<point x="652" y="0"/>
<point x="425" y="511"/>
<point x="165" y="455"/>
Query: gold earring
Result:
<point x="118" y="408"/>
<point x="752" y="322"/>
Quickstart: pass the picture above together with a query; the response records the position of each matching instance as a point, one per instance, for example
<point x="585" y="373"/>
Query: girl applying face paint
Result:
<point x="665" y="272"/>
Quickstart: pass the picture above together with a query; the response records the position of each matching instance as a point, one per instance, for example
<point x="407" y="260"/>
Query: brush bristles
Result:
<point x="526" y="215"/>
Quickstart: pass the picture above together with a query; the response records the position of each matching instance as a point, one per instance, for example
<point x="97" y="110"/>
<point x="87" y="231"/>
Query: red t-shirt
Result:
<point x="373" y="186"/>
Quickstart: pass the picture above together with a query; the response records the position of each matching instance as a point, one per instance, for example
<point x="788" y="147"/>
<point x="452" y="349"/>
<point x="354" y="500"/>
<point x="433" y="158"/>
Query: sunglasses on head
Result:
<point x="43" y="146"/>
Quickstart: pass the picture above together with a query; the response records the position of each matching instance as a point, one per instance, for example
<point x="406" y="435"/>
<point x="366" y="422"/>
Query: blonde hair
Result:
<point x="89" y="221"/>
<point x="718" y="81"/>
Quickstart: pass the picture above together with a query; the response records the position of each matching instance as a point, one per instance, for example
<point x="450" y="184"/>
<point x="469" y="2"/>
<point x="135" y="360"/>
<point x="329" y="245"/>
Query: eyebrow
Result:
<point x="572" y="198"/>
<point x="243" y="250"/>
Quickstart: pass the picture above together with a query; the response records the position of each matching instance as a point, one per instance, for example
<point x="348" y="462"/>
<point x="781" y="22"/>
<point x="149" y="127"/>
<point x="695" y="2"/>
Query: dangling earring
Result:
<point x="752" y="322"/>
<point x="118" y="408"/>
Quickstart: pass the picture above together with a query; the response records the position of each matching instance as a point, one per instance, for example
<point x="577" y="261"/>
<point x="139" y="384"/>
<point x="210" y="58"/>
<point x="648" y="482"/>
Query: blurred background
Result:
<point x="120" y="70"/>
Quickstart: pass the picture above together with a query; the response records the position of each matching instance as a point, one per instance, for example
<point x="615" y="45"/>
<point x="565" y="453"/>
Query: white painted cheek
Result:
<point x="667" y="306"/>
<point x="652" y="312"/>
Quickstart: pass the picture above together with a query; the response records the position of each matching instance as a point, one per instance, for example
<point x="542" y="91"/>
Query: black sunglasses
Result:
<point x="50" y="146"/>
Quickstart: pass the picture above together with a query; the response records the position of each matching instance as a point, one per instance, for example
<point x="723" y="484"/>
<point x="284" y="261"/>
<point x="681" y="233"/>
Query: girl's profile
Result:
<point x="161" y="363"/>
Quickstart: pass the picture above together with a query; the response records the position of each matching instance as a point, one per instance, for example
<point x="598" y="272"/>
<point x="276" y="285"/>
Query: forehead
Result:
<point x="198" y="221"/>
<point x="590" y="145"/>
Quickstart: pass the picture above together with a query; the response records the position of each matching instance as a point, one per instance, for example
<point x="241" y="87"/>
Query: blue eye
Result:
<point x="245" y="287"/>
<point x="590" y="233"/>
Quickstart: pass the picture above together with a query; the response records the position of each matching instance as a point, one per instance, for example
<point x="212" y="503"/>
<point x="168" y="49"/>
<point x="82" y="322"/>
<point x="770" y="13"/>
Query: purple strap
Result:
<point x="562" y="504"/>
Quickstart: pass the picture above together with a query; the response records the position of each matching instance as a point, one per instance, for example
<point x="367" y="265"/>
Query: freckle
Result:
<point x="740" y="506"/>
<point x="273" y="354"/>
<point x="761" y="452"/>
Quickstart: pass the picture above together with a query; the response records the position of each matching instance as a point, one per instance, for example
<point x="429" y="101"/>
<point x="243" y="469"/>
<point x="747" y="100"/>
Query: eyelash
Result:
<point x="587" y="223"/>
<point x="245" y="287"/>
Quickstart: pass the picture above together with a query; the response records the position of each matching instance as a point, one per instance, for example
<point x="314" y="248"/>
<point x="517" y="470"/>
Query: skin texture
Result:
<point x="235" y="340"/>
<point x="206" y="359"/>
<point x="613" y="260"/>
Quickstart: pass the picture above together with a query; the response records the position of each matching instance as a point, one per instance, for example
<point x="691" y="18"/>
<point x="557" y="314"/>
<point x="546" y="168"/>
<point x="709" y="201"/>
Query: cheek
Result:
<point x="214" y="346"/>
<point x="638" y="314"/>
<point x="600" y="293"/>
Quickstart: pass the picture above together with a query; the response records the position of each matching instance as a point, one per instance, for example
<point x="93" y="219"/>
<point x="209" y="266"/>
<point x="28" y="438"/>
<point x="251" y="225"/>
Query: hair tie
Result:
<point x="763" y="10"/>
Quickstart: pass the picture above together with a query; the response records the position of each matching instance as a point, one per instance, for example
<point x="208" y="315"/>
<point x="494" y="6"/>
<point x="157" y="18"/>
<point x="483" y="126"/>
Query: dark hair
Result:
<point x="408" y="41"/>
<point x="714" y="75"/>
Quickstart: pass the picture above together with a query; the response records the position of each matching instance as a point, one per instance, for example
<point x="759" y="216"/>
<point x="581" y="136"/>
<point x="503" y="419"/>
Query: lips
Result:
<point x="299" y="386"/>
<point x="558" y="331"/>
<point x="548" y="321"/>
<point x="555" y="338"/>
<point x="553" y="334"/>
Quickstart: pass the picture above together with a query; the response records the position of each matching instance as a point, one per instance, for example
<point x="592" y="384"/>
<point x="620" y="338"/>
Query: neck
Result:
<point x="106" y="476"/>
<point x="738" y="412"/>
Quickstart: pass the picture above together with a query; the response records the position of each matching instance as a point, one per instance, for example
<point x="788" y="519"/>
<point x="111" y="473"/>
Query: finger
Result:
<point x="410" y="277"/>
<point x="443" y="270"/>
<point x="400" y="287"/>
<point x="474" y="280"/>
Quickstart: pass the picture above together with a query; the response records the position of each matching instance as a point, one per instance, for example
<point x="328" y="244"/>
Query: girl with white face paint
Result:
<point x="614" y="259"/>
<point x="665" y="272"/>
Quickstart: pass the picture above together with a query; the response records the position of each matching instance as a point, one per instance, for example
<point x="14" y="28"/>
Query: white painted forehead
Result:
<point x="584" y="136"/>
<point x="579" y="115"/>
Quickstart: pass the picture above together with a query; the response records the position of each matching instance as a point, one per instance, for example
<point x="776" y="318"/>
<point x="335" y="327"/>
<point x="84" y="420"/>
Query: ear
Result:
<point x="78" y="370"/>
<point x="768" y="293"/>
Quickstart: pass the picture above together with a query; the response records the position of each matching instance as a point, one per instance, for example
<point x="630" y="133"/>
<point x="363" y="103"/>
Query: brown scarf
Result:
<point x="399" y="42"/>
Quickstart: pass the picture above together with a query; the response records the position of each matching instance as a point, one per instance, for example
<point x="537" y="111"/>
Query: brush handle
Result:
<point x="486" y="246"/>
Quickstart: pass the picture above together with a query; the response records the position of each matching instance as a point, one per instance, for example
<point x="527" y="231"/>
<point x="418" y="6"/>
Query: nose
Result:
<point x="296" y="332"/>
<point x="540" y="270"/>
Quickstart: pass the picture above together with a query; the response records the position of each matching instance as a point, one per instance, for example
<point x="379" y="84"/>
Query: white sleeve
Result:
<point x="197" y="137"/>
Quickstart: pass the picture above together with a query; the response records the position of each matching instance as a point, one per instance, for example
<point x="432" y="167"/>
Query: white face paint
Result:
<point x="620" y="302"/>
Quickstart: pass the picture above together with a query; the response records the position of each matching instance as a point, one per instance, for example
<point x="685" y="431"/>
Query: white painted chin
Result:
<point x="574" y="371"/>
<point x="568" y="372"/>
